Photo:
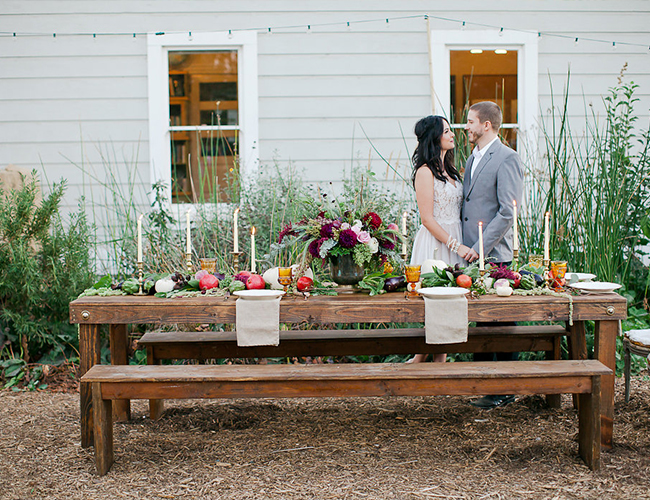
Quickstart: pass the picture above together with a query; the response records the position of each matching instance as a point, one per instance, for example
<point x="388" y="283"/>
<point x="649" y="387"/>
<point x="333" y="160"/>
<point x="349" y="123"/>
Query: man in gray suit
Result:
<point x="494" y="178"/>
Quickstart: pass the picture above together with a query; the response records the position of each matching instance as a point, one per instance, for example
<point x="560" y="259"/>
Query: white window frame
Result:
<point x="158" y="48"/>
<point x="526" y="45"/>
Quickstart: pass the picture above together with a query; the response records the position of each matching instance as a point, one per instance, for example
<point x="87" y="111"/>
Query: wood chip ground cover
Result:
<point x="438" y="447"/>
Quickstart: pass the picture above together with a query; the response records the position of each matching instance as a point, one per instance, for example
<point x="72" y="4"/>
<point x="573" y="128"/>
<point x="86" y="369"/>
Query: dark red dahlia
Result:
<point x="372" y="219"/>
<point x="326" y="230"/>
<point x="347" y="238"/>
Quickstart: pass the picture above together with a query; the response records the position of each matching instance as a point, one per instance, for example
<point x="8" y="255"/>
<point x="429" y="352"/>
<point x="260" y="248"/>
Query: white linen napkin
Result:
<point x="445" y="320"/>
<point x="257" y="322"/>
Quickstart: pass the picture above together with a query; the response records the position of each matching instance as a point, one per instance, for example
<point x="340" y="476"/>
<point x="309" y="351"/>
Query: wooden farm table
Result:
<point x="91" y="312"/>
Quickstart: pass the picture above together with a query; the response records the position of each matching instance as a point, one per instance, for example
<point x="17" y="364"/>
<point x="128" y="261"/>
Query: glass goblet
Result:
<point x="284" y="276"/>
<point x="557" y="274"/>
<point x="413" y="278"/>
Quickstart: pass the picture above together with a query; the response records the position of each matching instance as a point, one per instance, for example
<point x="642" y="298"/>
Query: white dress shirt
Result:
<point x="478" y="155"/>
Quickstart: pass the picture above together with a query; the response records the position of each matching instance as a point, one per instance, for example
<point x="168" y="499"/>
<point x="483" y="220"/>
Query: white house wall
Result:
<point x="81" y="100"/>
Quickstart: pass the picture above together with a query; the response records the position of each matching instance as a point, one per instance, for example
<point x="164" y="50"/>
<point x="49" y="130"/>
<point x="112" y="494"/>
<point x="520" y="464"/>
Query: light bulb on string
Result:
<point x="613" y="45"/>
<point x="576" y="42"/>
<point x="463" y="26"/>
<point x="229" y="33"/>
<point x="189" y="36"/>
<point x="309" y="28"/>
<point x="501" y="32"/>
<point x="270" y="32"/>
<point x="348" y="23"/>
<point x="387" y="23"/>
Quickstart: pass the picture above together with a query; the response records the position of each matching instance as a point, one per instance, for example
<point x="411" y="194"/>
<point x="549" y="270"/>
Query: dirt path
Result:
<point x="438" y="447"/>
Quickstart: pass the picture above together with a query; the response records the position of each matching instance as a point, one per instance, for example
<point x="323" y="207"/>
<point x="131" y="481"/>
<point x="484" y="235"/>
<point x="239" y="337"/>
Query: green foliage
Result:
<point x="44" y="265"/>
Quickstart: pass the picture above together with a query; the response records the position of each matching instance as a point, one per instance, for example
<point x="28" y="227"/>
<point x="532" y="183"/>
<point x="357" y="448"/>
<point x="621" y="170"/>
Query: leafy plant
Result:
<point x="44" y="265"/>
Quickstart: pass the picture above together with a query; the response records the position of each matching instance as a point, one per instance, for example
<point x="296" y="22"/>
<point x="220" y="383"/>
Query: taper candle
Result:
<point x="547" y="237"/>
<point x="253" y="249"/>
<point x="481" y="256"/>
<point x="235" y="231"/>
<point x="404" y="216"/>
<point x="189" y="236"/>
<point x="140" y="237"/>
<point x="515" y="236"/>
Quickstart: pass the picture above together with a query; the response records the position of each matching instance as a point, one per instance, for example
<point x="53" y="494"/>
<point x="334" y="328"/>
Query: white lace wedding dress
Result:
<point x="447" y="200"/>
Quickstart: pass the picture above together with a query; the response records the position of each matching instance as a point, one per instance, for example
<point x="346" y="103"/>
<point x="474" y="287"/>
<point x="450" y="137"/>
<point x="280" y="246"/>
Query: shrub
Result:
<point x="44" y="265"/>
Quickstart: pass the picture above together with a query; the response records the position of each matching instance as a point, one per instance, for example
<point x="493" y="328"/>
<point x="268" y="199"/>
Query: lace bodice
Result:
<point x="447" y="200"/>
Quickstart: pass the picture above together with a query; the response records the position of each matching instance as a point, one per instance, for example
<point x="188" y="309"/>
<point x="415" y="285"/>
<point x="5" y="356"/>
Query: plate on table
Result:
<point x="442" y="292"/>
<point x="595" y="287"/>
<point x="259" y="294"/>
<point x="577" y="277"/>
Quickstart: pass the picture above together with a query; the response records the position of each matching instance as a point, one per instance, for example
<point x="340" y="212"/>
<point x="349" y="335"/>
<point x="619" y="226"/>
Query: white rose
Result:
<point x="373" y="245"/>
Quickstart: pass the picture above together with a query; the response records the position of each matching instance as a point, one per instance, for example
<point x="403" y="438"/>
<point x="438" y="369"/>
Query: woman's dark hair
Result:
<point x="428" y="131"/>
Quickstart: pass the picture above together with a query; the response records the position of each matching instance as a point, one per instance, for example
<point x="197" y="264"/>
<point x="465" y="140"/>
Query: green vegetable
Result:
<point x="192" y="285"/>
<point x="104" y="282"/>
<point x="527" y="282"/>
<point x="236" y="286"/>
<point x="131" y="286"/>
<point x="374" y="282"/>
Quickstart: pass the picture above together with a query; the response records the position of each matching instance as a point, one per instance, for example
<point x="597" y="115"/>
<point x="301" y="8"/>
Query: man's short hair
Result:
<point x="487" y="111"/>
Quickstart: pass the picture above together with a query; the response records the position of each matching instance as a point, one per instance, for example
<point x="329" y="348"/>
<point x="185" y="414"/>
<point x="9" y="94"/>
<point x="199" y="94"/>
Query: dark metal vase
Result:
<point x="344" y="271"/>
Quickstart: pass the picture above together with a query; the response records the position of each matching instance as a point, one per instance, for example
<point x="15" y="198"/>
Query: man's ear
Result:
<point x="487" y="125"/>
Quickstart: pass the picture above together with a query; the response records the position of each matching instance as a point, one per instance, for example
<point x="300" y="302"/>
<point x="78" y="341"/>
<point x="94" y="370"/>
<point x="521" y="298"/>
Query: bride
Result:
<point x="439" y="194"/>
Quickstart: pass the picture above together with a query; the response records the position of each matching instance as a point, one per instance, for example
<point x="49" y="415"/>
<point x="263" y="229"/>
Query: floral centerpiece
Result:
<point x="330" y="234"/>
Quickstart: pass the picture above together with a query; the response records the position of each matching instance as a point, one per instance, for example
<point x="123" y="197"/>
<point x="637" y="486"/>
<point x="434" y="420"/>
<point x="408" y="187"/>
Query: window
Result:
<point x="471" y="66"/>
<point x="202" y="114"/>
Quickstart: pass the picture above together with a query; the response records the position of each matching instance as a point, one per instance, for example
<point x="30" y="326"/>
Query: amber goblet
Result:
<point x="285" y="276"/>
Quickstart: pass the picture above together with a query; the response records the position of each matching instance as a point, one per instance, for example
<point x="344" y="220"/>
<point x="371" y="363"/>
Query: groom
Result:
<point x="494" y="178"/>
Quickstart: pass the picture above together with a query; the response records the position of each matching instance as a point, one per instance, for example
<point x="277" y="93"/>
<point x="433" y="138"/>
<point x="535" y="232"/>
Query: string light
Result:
<point x="386" y="21"/>
<point x="229" y="33"/>
<point x="576" y="42"/>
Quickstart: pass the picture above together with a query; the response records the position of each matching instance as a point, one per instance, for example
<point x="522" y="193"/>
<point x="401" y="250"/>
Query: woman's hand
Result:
<point x="463" y="250"/>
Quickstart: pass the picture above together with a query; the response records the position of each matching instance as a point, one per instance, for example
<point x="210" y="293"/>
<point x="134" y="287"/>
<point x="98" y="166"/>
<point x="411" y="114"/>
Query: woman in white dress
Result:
<point x="439" y="194"/>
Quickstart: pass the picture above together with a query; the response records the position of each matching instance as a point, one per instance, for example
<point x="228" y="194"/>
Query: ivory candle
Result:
<point x="235" y="231"/>
<point x="189" y="235"/>
<point x="481" y="256"/>
<point x="515" y="237"/>
<point x="253" y="249"/>
<point x="404" y="216"/>
<point x="547" y="236"/>
<point x="140" y="237"/>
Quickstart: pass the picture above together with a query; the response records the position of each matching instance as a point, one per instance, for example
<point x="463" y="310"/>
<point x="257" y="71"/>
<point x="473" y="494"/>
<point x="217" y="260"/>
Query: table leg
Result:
<point x="605" y="352"/>
<point x="119" y="356"/>
<point x="89" y="355"/>
<point x="555" y="400"/>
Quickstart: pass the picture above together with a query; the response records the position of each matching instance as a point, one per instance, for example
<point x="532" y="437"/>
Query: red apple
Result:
<point x="255" y="282"/>
<point x="208" y="281"/>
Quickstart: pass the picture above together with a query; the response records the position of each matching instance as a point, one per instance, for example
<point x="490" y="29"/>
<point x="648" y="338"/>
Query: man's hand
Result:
<point x="471" y="256"/>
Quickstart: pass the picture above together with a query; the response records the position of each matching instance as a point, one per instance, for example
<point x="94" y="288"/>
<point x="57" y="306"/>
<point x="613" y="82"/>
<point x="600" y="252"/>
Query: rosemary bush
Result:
<point x="44" y="265"/>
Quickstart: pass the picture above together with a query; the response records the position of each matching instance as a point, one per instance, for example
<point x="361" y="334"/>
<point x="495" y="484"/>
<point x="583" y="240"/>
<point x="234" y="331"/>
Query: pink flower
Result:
<point x="345" y="225"/>
<point x="393" y="226"/>
<point x="363" y="236"/>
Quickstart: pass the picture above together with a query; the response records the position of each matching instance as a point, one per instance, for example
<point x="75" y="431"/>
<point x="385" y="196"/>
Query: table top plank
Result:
<point x="355" y="308"/>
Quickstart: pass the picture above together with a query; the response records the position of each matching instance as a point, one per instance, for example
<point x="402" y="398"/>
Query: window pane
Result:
<point x="485" y="76"/>
<point x="203" y="90"/>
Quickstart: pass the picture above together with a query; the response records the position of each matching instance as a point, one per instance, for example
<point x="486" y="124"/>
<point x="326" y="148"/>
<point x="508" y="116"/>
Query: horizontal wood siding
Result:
<point x="83" y="100"/>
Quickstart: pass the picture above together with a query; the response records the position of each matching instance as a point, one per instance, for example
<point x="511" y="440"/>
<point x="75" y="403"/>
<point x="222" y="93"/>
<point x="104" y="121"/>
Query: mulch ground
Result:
<point x="436" y="447"/>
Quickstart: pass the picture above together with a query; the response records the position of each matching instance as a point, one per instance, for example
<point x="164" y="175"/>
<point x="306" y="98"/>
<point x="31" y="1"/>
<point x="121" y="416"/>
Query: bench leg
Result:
<point x="577" y="347"/>
<point x="103" y="430"/>
<point x="156" y="406"/>
<point x="119" y="356"/>
<point x="589" y="425"/>
<point x="555" y="400"/>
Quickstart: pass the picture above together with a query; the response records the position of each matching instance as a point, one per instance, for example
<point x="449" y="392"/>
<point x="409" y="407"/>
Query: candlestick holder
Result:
<point x="235" y="261"/>
<point x="188" y="261"/>
<point x="403" y="256"/>
<point x="482" y="272"/>
<point x="515" y="257"/>
<point x="140" y="278"/>
<point x="547" y="276"/>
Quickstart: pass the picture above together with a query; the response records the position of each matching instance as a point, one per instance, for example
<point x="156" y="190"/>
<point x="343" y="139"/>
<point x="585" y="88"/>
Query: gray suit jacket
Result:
<point x="495" y="182"/>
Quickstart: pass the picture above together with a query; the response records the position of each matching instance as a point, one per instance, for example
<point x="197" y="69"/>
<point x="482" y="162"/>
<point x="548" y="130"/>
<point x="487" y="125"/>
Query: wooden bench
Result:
<point x="115" y="382"/>
<point x="296" y="343"/>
